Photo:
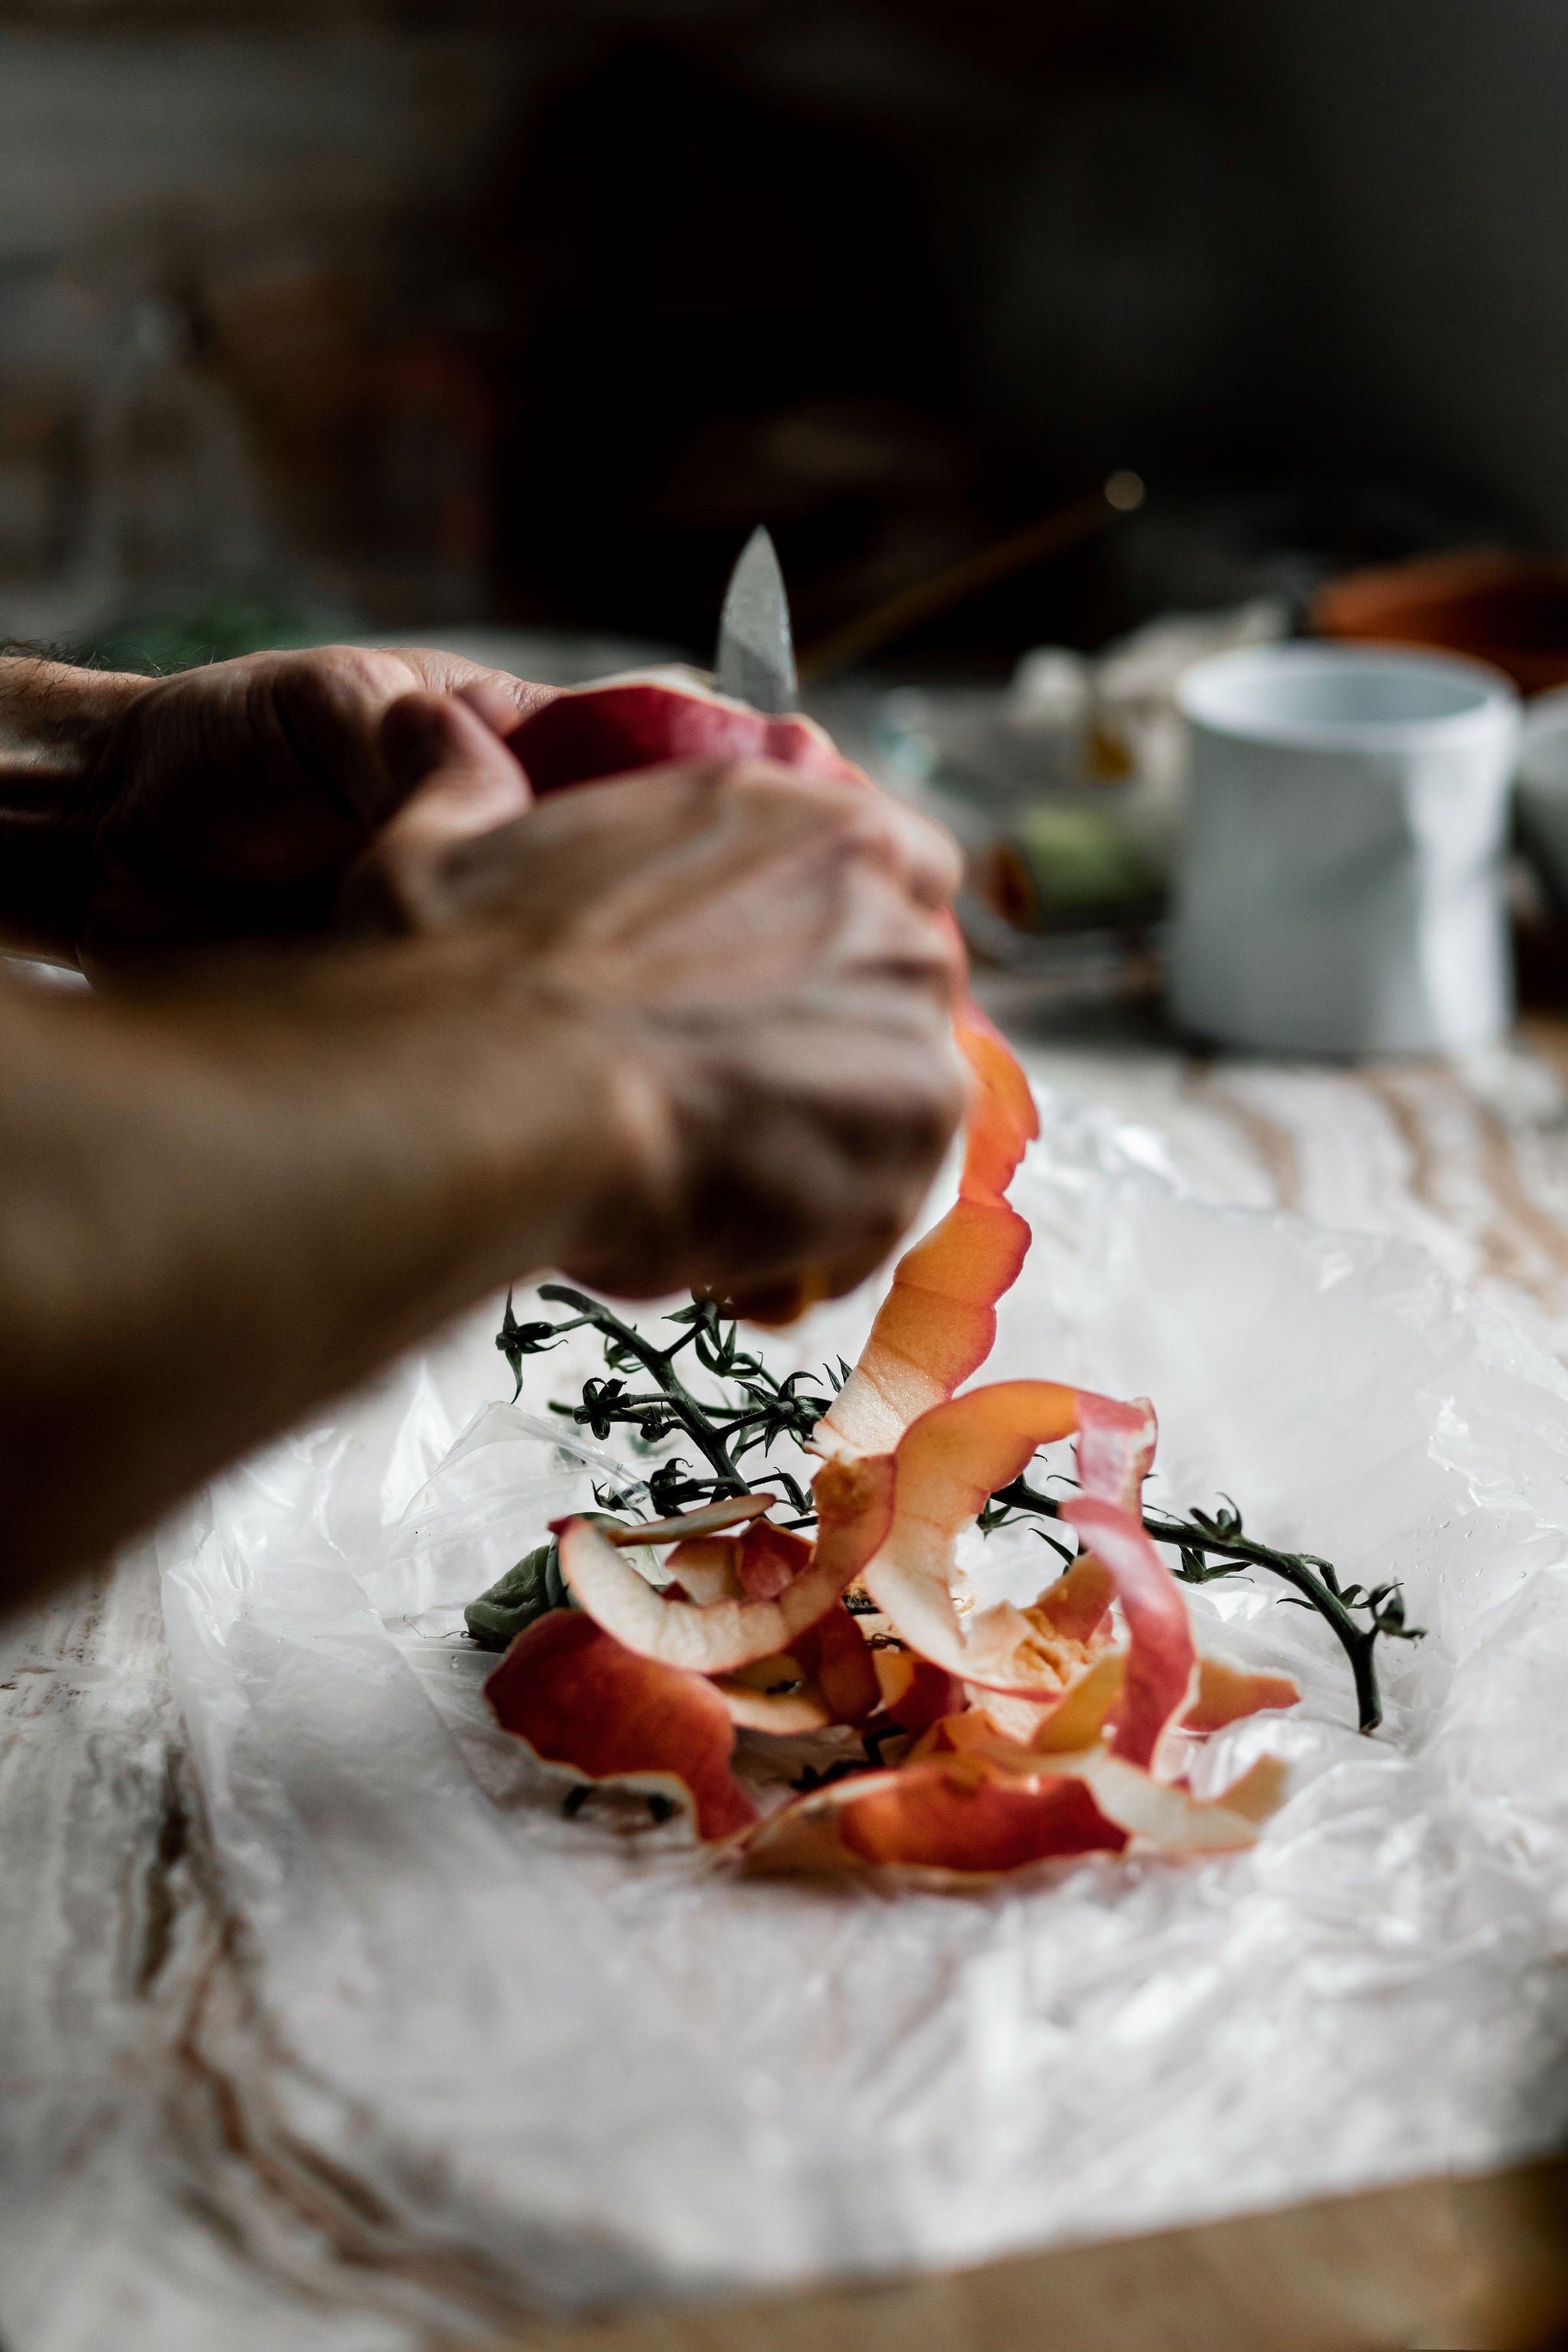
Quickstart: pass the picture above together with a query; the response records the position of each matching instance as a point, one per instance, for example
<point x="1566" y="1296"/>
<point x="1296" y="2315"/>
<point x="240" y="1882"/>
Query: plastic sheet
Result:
<point x="568" y="2049"/>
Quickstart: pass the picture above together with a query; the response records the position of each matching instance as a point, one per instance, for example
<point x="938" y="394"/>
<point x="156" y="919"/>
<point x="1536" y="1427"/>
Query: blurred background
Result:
<point x="529" y="311"/>
<point x="389" y="319"/>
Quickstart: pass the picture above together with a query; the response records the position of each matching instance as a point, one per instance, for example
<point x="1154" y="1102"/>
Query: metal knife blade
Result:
<point x="755" y="660"/>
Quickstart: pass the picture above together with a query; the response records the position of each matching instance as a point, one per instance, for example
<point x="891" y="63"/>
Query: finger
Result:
<point x="458" y="780"/>
<point x="786" y="1298"/>
<point x="860" y="820"/>
<point x="501" y="700"/>
<point x="925" y="859"/>
<point x="929" y="862"/>
<point x="337" y="696"/>
<point x="831" y="1155"/>
<point x="884" y="935"/>
<point x="757" y="869"/>
<point x="809" y="1145"/>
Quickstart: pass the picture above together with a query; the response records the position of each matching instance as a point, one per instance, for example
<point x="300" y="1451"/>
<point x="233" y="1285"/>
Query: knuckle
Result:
<point x="769" y="782"/>
<point x="303" y="693"/>
<point x="330" y="681"/>
<point x="864" y="827"/>
<point x="374" y="669"/>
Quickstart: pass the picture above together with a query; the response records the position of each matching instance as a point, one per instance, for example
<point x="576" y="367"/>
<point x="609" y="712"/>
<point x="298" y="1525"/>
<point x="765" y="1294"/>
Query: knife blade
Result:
<point x="755" y="659"/>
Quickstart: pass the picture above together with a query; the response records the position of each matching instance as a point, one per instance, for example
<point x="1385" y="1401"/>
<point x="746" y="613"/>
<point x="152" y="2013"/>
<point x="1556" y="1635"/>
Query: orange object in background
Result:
<point x="1508" y="610"/>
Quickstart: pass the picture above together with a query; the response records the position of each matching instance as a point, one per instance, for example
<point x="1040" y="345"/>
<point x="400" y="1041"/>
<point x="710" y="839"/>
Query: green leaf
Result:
<point x="529" y="1590"/>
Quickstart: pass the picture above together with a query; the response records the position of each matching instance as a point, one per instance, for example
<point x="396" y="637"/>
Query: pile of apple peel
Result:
<point x="1008" y="1735"/>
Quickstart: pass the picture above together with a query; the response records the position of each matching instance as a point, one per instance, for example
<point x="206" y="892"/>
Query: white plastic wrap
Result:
<point x="569" y="2048"/>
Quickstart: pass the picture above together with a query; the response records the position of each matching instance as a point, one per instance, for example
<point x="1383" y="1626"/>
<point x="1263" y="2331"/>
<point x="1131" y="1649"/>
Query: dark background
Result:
<point x="528" y="313"/>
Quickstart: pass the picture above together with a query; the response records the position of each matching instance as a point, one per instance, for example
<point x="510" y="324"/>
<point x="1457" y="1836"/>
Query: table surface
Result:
<point x="152" y="2197"/>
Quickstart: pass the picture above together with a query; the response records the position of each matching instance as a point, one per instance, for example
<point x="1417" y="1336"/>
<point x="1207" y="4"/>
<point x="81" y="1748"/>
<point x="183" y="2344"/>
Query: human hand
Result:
<point x="223" y="803"/>
<point x="760" y="961"/>
<point x="687" y="1027"/>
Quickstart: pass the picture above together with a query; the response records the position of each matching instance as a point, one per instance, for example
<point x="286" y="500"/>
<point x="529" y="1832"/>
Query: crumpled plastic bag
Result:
<point x="569" y="2050"/>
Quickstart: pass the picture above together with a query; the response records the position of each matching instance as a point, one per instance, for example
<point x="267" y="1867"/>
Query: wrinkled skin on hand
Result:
<point x="765" y="957"/>
<point x="708" y="923"/>
<point x="691" y="1029"/>
<point x="227" y="802"/>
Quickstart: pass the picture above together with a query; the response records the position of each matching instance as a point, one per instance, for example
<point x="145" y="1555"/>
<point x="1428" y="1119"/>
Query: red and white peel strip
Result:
<point x="854" y="1502"/>
<point x="708" y="1518"/>
<point x="577" y="1696"/>
<point x="971" y="1819"/>
<point x="1115" y="1447"/>
<point x="1160" y="1654"/>
<point x="947" y="1465"/>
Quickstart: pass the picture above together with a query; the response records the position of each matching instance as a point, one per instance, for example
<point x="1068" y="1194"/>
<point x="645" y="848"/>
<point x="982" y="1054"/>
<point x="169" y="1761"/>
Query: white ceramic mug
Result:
<point x="1342" y="887"/>
<point x="1540" y="791"/>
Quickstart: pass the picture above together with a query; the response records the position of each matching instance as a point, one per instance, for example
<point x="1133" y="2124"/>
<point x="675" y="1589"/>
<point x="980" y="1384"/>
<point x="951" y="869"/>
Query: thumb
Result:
<point x="457" y="780"/>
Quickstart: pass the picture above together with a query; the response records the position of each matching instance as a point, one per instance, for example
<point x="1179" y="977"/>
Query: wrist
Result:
<point x="483" y="1121"/>
<point x="44" y="862"/>
<point x="53" y="722"/>
<point x="54" y="709"/>
<point x="553" y="1105"/>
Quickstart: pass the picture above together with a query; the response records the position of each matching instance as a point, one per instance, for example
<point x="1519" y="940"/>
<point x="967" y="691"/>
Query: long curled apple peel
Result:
<point x="964" y="1819"/>
<point x="953" y="1817"/>
<point x="854" y="1502"/>
<point x="938" y="1323"/>
<point x="947" y="1465"/>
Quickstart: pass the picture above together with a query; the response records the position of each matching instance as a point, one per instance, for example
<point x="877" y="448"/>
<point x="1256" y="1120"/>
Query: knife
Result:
<point x="755" y="663"/>
<point x="755" y="659"/>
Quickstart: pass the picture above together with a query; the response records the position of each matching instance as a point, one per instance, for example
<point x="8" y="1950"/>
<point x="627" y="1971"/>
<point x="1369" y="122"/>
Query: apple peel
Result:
<point x="854" y="1503"/>
<point x="913" y="1693"/>
<point x="833" y="1671"/>
<point x="577" y="1696"/>
<point x="592" y="734"/>
<point x="1161" y="1657"/>
<point x="938" y="1323"/>
<point x="1226" y="1694"/>
<point x="984" y="1808"/>
<point x="786" y="1714"/>
<point x="948" y="1464"/>
<point x="1115" y="1447"/>
<point x="953" y="1819"/>
<point x="708" y="1518"/>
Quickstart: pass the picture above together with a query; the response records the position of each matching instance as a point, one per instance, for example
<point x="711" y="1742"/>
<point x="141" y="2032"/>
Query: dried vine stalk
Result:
<point x="1215" y="1544"/>
<point x="731" y="1433"/>
<point x="725" y="1433"/>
